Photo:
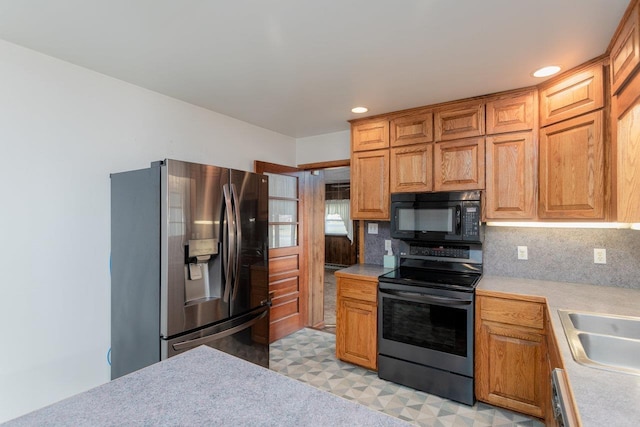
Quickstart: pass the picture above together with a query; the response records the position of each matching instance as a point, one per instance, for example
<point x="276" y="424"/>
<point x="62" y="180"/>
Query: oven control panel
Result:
<point x="439" y="251"/>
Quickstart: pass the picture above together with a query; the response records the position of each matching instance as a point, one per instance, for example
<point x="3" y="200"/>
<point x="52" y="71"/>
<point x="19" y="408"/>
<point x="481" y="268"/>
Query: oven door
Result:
<point x="431" y="327"/>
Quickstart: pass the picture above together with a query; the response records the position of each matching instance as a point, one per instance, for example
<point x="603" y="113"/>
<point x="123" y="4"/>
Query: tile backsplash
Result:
<point x="557" y="254"/>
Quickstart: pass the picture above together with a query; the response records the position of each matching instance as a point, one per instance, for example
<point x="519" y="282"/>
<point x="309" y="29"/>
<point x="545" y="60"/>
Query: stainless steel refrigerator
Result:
<point x="189" y="263"/>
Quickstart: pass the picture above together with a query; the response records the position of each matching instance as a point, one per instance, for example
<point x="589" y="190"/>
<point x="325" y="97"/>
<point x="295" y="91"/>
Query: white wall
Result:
<point x="63" y="129"/>
<point x="324" y="148"/>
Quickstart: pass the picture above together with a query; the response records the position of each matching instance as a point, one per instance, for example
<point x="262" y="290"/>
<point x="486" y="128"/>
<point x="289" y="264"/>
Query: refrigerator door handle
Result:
<point x="253" y="319"/>
<point x="238" y="241"/>
<point x="229" y="242"/>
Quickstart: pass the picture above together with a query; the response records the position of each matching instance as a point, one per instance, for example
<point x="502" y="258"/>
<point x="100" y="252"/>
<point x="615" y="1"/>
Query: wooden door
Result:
<point x="511" y="176"/>
<point x="572" y="169"/>
<point x="370" y="185"/>
<point x="459" y="165"/>
<point x="412" y="168"/>
<point x="288" y="274"/>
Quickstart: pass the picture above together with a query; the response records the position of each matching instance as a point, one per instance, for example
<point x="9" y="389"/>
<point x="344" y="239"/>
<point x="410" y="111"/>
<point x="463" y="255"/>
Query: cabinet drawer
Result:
<point x="357" y="289"/>
<point x="512" y="312"/>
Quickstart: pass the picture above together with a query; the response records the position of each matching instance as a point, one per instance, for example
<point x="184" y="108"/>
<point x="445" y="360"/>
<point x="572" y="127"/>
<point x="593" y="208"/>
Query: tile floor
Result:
<point x="309" y="356"/>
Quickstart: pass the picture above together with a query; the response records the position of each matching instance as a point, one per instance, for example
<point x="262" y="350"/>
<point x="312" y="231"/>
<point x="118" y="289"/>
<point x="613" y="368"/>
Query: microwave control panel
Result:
<point x="471" y="218"/>
<point x="440" y="251"/>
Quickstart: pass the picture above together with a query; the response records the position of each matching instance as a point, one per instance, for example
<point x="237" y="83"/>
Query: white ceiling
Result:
<point x="298" y="66"/>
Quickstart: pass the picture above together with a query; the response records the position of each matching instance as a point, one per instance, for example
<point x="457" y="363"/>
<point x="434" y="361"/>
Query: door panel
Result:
<point x="287" y="261"/>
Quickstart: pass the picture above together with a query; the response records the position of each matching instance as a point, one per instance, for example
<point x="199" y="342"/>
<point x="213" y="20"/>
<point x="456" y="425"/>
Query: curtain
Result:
<point x="341" y="208"/>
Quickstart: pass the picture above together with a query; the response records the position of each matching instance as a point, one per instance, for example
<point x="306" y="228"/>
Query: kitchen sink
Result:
<point x="603" y="341"/>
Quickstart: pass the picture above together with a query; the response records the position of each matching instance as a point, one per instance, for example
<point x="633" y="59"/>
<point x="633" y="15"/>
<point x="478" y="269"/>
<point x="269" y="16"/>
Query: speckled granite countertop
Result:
<point x="604" y="398"/>
<point x="366" y="270"/>
<point x="206" y="387"/>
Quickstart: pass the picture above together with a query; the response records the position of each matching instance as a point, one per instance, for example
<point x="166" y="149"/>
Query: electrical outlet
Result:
<point x="522" y="252"/>
<point x="387" y="245"/>
<point x="373" y="228"/>
<point x="600" y="256"/>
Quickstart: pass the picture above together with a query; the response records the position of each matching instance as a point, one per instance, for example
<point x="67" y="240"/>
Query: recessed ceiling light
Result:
<point x="546" y="71"/>
<point x="359" y="110"/>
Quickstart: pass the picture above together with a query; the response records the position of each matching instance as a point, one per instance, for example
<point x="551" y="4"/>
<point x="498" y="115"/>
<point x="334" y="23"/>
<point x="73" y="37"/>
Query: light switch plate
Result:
<point x="373" y="228"/>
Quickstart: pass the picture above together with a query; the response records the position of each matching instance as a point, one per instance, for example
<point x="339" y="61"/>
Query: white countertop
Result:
<point x="604" y="398"/>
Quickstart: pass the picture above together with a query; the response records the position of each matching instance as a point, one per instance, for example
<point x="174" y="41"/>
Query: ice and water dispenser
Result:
<point x="199" y="255"/>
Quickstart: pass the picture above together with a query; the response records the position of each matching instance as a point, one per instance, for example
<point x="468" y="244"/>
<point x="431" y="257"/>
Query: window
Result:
<point x="283" y="211"/>
<point x="337" y="218"/>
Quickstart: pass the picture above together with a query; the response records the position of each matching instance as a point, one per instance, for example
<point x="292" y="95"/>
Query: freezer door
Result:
<point x="194" y="215"/>
<point x="243" y="336"/>
<point x="249" y="280"/>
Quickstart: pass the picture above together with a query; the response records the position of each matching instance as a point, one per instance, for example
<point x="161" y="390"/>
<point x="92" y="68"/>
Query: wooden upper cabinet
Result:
<point x="625" y="51"/>
<point x="572" y="169"/>
<point x="370" y="185"/>
<point x="459" y="121"/>
<point x="413" y="129"/>
<point x="412" y="168"/>
<point x="370" y="135"/>
<point x="627" y="126"/>
<point x="511" y="176"/>
<point x="510" y="114"/>
<point x="572" y="96"/>
<point x="459" y="165"/>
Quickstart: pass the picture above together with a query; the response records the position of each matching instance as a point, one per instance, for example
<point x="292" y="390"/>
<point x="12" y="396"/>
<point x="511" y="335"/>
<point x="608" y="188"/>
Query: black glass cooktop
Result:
<point x="432" y="278"/>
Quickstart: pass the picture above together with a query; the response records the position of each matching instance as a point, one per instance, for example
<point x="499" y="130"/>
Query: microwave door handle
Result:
<point x="458" y="220"/>
<point x="415" y="296"/>
<point x="187" y="345"/>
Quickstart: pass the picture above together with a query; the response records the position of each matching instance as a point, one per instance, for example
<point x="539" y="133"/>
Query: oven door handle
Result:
<point x="426" y="298"/>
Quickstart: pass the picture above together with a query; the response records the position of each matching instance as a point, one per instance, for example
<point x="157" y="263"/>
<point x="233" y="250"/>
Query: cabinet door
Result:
<point x="510" y="367"/>
<point x="370" y="185"/>
<point x="629" y="165"/>
<point x="412" y="168"/>
<point x="572" y="169"/>
<point x="625" y="52"/>
<point x="511" y="176"/>
<point x="571" y="96"/>
<point x="459" y="122"/>
<point x="356" y="337"/>
<point x="370" y="135"/>
<point x="510" y="114"/>
<point x="459" y="165"/>
<point x="414" y="129"/>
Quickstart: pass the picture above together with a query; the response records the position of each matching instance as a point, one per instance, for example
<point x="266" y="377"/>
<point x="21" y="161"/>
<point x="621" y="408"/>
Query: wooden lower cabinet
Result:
<point x="511" y="355"/>
<point x="356" y="321"/>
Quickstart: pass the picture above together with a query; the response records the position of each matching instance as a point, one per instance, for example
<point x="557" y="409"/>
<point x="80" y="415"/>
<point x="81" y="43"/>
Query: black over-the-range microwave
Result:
<point x="444" y="216"/>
